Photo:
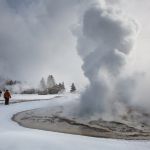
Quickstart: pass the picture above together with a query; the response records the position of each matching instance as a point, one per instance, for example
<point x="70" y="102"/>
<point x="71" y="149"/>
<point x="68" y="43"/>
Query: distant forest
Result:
<point x="48" y="86"/>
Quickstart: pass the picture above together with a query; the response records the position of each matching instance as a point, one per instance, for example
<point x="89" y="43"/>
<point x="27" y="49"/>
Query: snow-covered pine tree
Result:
<point x="50" y="81"/>
<point x="63" y="86"/>
<point x="42" y="85"/>
<point x="73" y="88"/>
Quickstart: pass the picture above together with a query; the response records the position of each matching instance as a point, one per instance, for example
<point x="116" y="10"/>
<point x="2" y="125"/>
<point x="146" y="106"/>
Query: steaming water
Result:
<point x="105" y="38"/>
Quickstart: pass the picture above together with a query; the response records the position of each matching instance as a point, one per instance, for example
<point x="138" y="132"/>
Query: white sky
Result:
<point x="140" y="10"/>
<point x="36" y="38"/>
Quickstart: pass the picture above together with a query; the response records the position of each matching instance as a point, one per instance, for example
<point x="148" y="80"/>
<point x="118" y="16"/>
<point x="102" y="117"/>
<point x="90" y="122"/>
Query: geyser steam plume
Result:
<point x="105" y="38"/>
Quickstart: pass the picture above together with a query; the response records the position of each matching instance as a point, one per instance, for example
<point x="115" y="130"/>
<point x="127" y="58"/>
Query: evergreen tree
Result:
<point x="63" y="86"/>
<point x="42" y="84"/>
<point x="50" y="81"/>
<point x="73" y="88"/>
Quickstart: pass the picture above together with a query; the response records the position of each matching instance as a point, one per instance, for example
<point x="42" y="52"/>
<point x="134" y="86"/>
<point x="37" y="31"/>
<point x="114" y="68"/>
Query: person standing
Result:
<point x="7" y="96"/>
<point x="0" y="93"/>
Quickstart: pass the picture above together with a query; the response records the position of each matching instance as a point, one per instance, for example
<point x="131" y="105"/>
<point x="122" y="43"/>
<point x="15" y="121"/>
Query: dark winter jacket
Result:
<point x="7" y="95"/>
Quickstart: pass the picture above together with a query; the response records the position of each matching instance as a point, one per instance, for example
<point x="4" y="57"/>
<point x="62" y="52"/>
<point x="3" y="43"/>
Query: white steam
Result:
<point x="105" y="38"/>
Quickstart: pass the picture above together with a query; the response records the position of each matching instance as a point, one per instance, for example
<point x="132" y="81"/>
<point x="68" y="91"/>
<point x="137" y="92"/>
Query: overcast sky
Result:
<point x="36" y="38"/>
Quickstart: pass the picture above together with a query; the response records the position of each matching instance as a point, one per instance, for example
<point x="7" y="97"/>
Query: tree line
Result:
<point x="48" y="86"/>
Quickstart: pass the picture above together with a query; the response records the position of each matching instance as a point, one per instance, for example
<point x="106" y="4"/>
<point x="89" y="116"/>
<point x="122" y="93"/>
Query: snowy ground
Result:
<point x="15" y="137"/>
<point x="26" y="97"/>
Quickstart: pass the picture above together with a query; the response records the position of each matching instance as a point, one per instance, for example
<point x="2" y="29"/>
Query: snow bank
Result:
<point x="29" y="97"/>
<point x="15" y="137"/>
<point x="37" y="140"/>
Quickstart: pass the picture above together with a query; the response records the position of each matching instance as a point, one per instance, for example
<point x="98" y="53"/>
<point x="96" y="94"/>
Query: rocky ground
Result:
<point x="53" y="119"/>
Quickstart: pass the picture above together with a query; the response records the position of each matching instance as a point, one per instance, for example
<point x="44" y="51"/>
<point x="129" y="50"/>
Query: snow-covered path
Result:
<point x="15" y="137"/>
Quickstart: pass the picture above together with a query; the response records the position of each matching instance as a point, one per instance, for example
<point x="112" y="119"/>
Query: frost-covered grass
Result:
<point x="15" y="137"/>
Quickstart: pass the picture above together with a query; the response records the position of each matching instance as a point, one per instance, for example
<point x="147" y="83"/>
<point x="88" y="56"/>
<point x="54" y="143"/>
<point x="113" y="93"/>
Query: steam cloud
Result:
<point x="105" y="38"/>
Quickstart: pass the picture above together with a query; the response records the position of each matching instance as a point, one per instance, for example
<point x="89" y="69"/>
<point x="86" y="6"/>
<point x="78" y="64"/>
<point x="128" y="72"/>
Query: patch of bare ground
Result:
<point x="95" y="128"/>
